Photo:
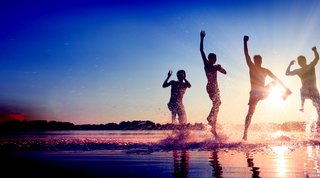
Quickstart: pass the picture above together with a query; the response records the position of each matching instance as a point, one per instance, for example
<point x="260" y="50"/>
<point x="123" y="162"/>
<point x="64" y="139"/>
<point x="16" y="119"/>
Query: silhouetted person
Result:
<point x="178" y="88"/>
<point x="180" y="163"/>
<point x="259" y="90"/>
<point x="215" y="164"/>
<point x="308" y="79"/>
<point x="211" y="70"/>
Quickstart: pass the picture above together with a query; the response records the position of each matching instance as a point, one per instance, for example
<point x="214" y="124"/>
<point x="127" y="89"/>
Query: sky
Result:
<point x="95" y="62"/>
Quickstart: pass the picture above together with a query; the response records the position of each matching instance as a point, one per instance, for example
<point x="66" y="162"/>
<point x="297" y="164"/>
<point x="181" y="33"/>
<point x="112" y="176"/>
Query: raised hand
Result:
<point x="202" y="34"/>
<point x="314" y="48"/>
<point x="169" y="73"/>
<point x="246" y="38"/>
<point x="292" y="62"/>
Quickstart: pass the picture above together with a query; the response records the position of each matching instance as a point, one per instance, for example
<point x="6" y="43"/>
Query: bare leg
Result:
<point x="248" y="120"/>
<point x="212" y="118"/>
<point x="173" y="117"/>
<point x="174" y="111"/>
<point x="302" y="103"/>
<point x="182" y="116"/>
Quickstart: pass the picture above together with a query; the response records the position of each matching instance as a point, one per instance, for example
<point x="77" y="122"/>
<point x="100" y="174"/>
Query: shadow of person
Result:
<point x="214" y="163"/>
<point x="180" y="163"/>
<point x="255" y="170"/>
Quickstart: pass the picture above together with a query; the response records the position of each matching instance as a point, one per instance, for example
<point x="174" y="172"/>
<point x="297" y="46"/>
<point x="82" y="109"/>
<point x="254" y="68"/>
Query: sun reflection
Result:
<point x="280" y="152"/>
<point x="278" y="134"/>
<point x="312" y="159"/>
<point x="309" y="151"/>
<point x="316" y="161"/>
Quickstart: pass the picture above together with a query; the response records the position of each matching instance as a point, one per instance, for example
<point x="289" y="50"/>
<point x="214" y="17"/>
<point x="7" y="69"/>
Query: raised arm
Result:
<point x="316" y="57"/>
<point x="246" y="53"/>
<point x="288" y="71"/>
<point x="203" y="55"/>
<point x="165" y="83"/>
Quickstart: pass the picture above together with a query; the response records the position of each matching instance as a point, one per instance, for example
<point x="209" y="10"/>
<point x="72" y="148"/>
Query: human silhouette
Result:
<point x="215" y="164"/>
<point x="178" y="88"/>
<point x="259" y="90"/>
<point x="307" y="75"/>
<point x="211" y="69"/>
<point x="180" y="163"/>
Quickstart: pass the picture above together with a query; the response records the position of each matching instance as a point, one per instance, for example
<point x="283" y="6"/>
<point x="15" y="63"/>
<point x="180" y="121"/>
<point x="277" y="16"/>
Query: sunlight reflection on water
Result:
<point x="190" y="154"/>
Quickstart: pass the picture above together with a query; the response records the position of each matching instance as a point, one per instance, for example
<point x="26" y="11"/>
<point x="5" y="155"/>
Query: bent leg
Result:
<point x="268" y="89"/>
<point x="302" y="104"/>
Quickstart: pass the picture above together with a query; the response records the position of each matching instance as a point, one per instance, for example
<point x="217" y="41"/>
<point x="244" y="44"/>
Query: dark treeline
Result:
<point x="17" y="126"/>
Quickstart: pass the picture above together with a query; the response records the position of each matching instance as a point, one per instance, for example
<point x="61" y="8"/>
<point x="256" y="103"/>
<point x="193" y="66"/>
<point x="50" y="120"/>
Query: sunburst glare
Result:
<point x="275" y="97"/>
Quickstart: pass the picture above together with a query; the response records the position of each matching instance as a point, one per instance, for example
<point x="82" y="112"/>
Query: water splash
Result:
<point x="311" y="120"/>
<point x="150" y="141"/>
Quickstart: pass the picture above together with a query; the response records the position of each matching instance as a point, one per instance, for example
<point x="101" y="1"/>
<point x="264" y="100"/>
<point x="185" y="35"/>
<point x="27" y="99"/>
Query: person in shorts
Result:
<point x="307" y="75"/>
<point x="178" y="89"/>
<point x="211" y="69"/>
<point x="259" y="91"/>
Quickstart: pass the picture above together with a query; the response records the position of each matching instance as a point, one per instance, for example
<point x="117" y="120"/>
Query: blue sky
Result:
<point x="105" y="61"/>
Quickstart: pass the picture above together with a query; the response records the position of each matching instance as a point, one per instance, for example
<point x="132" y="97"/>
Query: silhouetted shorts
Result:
<point x="177" y="108"/>
<point x="257" y="95"/>
<point x="311" y="93"/>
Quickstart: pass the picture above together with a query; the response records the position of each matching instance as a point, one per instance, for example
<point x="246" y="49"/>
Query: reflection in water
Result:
<point x="309" y="158"/>
<point x="255" y="170"/>
<point x="281" y="160"/>
<point x="316" y="161"/>
<point x="214" y="163"/>
<point x="312" y="161"/>
<point x="180" y="163"/>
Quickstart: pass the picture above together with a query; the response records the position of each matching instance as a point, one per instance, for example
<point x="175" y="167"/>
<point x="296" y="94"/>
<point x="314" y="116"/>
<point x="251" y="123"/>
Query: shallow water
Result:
<point x="277" y="162"/>
<point x="170" y="153"/>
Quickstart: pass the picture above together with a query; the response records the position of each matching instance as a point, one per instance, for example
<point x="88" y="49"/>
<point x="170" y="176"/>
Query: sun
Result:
<point x="275" y="96"/>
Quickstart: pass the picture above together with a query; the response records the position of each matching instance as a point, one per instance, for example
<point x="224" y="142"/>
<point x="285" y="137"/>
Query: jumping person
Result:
<point x="211" y="69"/>
<point x="259" y="90"/>
<point x="308" y="79"/>
<point x="178" y="88"/>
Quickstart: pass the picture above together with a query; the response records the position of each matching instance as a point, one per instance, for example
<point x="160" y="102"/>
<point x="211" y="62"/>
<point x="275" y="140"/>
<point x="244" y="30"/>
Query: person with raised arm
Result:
<point x="259" y="90"/>
<point x="211" y="69"/>
<point x="307" y="75"/>
<point x="178" y="88"/>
